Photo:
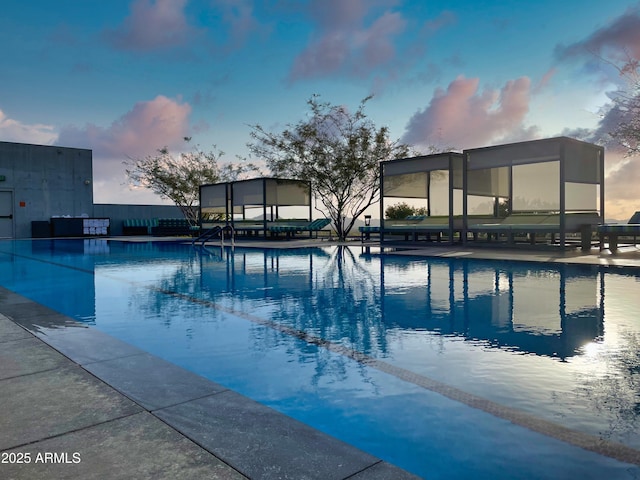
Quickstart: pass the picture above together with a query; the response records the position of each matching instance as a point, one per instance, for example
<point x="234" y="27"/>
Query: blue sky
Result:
<point x="125" y="77"/>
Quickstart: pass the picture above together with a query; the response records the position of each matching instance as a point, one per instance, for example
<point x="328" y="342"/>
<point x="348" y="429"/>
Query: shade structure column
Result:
<point x="563" y="199"/>
<point x="381" y="167"/>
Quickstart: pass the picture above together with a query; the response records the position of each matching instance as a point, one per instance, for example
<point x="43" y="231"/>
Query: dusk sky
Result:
<point x="126" y="77"/>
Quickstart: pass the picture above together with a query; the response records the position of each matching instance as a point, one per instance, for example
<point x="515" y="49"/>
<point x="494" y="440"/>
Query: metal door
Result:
<point x="6" y="214"/>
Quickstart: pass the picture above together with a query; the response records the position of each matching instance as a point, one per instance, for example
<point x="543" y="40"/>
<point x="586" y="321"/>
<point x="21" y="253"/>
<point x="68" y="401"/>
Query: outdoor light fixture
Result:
<point x="367" y="220"/>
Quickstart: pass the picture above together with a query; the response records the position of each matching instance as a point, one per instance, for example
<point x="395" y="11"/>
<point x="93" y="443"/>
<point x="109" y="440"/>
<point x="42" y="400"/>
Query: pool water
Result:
<point x="407" y="358"/>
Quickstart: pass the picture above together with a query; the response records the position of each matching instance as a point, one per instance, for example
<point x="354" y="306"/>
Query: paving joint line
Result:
<point x="75" y="430"/>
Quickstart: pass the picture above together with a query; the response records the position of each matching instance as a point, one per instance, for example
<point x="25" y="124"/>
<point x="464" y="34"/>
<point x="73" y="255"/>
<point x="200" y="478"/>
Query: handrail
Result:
<point x="214" y="232"/>
<point x="209" y="234"/>
<point x="231" y="234"/>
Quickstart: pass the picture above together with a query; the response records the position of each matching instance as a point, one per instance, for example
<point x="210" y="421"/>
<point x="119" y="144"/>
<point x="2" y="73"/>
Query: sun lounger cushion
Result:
<point x="314" y="226"/>
<point x="620" y="228"/>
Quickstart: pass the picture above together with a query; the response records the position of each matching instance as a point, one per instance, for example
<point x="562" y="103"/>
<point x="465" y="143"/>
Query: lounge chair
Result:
<point x="291" y="229"/>
<point x="612" y="232"/>
<point x="413" y="226"/>
<point x="367" y="230"/>
<point x="138" y="226"/>
<point x="426" y="225"/>
<point x="174" y="227"/>
<point x="542" y="223"/>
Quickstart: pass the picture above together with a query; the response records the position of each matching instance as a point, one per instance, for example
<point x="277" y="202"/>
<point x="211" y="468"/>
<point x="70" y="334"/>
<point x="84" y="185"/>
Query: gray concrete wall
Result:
<point x="118" y="213"/>
<point x="45" y="181"/>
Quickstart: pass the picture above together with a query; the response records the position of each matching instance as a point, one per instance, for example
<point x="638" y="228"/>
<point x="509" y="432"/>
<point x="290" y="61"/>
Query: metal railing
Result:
<point x="213" y="233"/>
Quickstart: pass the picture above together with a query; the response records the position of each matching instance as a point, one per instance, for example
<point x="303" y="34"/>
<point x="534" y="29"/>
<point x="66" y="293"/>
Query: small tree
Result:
<point x="402" y="210"/>
<point x="338" y="151"/>
<point x="398" y="211"/>
<point x="178" y="178"/>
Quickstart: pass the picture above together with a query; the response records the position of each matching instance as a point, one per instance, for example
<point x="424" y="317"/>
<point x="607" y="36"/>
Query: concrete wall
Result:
<point x="118" y="213"/>
<point x="45" y="181"/>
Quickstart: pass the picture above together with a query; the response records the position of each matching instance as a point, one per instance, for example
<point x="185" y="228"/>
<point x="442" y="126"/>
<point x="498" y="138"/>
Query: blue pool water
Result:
<point x="364" y="346"/>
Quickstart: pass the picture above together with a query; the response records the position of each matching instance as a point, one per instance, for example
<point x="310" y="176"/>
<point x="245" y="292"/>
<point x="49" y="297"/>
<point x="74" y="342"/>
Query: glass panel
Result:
<point x="457" y="202"/>
<point x="291" y="193"/>
<point x="411" y="185"/>
<point x="536" y="187"/>
<point x="439" y="193"/>
<point x="489" y="182"/>
<point x="248" y="192"/>
<point x="582" y="163"/>
<point x="581" y="196"/>
<point x="479" y="206"/>
<point x="213" y="195"/>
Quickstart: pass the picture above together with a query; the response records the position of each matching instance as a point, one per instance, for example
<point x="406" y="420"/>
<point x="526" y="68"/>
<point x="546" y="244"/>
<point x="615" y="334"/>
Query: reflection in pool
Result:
<point x="345" y="340"/>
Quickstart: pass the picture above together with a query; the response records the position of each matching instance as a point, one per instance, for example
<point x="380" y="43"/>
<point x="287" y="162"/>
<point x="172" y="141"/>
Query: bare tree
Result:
<point x="338" y="151"/>
<point x="626" y="105"/>
<point x="178" y="178"/>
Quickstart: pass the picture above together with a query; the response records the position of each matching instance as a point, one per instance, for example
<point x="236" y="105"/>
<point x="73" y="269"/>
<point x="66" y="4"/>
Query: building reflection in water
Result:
<point x="547" y="310"/>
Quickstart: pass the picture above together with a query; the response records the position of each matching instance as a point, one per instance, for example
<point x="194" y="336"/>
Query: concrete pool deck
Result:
<point x="68" y="389"/>
<point x="77" y="403"/>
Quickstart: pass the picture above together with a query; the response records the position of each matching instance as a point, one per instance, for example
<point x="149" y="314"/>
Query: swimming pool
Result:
<point x="432" y="364"/>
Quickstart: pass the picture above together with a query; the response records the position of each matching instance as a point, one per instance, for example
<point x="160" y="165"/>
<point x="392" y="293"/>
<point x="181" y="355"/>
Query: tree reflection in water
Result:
<point x="613" y="391"/>
<point x="343" y="306"/>
<point x="372" y="305"/>
<point x="164" y="298"/>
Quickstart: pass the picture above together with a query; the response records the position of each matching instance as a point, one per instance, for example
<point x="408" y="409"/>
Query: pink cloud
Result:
<point x="239" y="18"/>
<point x="375" y="42"/>
<point x="142" y="130"/>
<point x="344" y="42"/>
<point x="545" y="80"/>
<point x="464" y="117"/>
<point x="152" y="25"/>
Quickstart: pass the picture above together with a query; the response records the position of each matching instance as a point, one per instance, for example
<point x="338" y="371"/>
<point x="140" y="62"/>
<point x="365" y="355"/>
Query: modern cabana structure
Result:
<point x="253" y="206"/>
<point x="215" y="204"/>
<point x="436" y="182"/>
<point x="553" y="186"/>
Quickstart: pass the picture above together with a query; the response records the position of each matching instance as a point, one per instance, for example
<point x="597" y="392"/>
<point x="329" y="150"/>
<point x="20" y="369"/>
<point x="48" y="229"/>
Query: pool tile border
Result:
<point x="576" y="438"/>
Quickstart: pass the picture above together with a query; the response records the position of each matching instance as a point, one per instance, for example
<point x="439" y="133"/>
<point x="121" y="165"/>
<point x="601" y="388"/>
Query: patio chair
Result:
<point x="612" y="232"/>
<point x="539" y="223"/>
<point x="291" y="229"/>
